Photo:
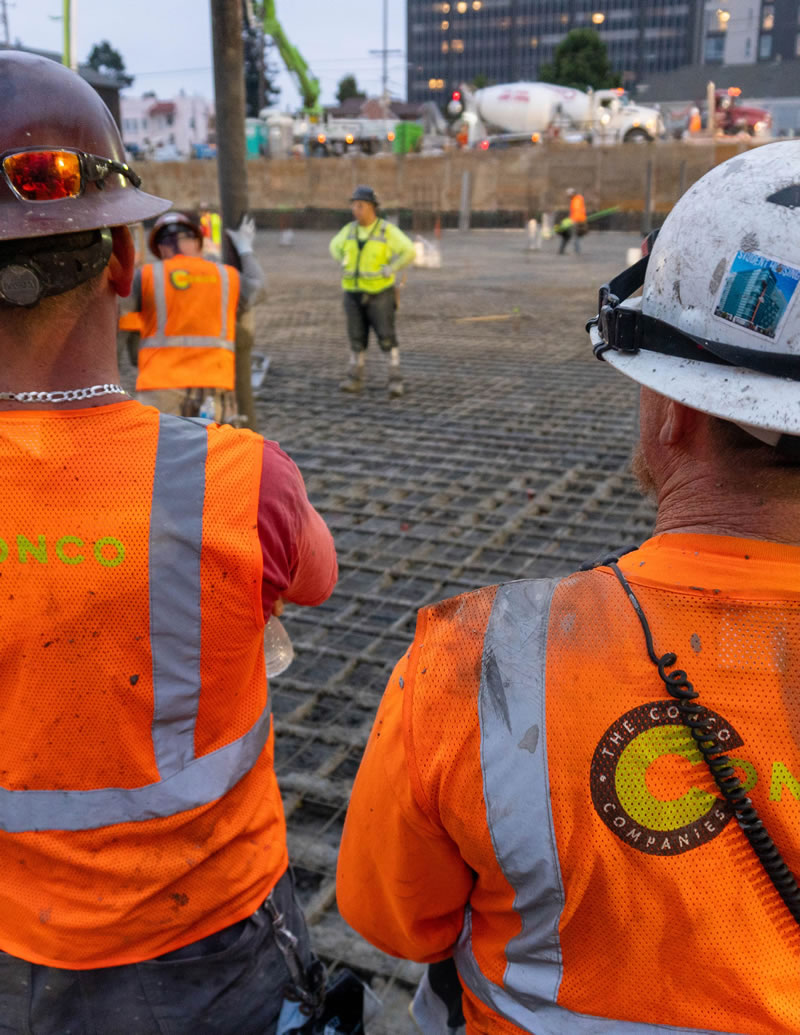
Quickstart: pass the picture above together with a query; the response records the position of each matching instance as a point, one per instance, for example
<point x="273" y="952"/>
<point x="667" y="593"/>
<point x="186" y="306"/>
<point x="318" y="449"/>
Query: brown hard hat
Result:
<point x="45" y="105"/>
<point x="174" y="221"/>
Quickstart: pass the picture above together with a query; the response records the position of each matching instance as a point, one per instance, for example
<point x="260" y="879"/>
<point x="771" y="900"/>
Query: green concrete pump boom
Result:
<point x="295" y="63"/>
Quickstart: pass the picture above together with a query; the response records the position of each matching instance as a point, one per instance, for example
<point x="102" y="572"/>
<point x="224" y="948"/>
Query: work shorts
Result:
<point x="365" y="311"/>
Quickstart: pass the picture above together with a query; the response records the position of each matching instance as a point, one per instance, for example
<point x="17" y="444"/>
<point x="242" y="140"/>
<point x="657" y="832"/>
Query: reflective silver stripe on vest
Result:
<point x="225" y="284"/>
<point x="516" y="786"/>
<point x="204" y="780"/>
<point x="547" y="1018"/>
<point x="187" y="341"/>
<point x="186" y="782"/>
<point x="160" y="297"/>
<point x="176" y="537"/>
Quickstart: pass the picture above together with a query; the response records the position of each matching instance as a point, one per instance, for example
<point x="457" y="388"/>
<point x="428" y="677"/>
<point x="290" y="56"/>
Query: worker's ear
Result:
<point x="122" y="262"/>
<point x="678" y="425"/>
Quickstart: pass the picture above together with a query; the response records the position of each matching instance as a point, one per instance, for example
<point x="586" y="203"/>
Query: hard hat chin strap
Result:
<point x="629" y="330"/>
<point x="37" y="267"/>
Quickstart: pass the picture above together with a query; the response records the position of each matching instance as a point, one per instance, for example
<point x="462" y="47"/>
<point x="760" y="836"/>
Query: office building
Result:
<point x="496" y="41"/>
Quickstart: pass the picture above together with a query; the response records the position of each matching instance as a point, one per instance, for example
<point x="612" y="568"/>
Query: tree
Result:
<point x="348" y="87"/>
<point x="259" y="74"/>
<point x="106" y="59"/>
<point x="480" y="81"/>
<point x="580" y="61"/>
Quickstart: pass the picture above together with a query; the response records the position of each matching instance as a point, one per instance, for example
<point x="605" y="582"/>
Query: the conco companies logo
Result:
<point x="644" y="790"/>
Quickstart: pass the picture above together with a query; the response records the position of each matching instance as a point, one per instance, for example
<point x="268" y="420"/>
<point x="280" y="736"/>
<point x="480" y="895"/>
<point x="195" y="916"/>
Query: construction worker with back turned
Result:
<point x="183" y="317"/>
<point x="144" y="885"/>
<point x="371" y="251"/>
<point x="585" y="791"/>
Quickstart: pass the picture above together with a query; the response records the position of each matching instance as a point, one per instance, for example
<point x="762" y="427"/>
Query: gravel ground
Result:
<point x="507" y="458"/>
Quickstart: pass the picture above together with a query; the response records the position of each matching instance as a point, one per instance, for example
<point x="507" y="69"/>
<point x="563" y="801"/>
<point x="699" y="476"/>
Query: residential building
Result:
<point x="450" y="42"/>
<point x="165" y="128"/>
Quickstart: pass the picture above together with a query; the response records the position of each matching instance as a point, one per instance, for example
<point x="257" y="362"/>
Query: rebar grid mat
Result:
<point x="507" y="458"/>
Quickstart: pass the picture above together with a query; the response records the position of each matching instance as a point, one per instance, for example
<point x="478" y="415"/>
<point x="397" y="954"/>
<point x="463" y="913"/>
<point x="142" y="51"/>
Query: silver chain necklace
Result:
<point x="68" y="395"/>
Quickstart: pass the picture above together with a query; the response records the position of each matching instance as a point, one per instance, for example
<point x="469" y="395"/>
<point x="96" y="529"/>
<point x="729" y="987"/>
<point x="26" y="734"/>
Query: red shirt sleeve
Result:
<point x="296" y="544"/>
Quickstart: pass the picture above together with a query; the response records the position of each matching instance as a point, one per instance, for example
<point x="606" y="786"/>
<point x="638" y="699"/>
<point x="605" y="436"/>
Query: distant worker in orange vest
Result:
<point x="184" y="308"/>
<point x="574" y="227"/>
<point x="583" y="793"/>
<point x="144" y="878"/>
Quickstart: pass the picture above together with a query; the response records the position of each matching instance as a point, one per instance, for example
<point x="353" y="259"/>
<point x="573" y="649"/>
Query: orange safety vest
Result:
<point x="139" y="809"/>
<point x="188" y="324"/>
<point x="613" y="890"/>
<point x="577" y="209"/>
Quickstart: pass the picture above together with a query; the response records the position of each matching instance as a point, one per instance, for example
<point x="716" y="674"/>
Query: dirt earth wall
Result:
<point x="530" y="180"/>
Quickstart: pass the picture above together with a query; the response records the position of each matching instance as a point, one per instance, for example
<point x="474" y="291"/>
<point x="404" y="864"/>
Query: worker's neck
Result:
<point x="765" y="506"/>
<point x="50" y="355"/>
<point x="366" y="223"/>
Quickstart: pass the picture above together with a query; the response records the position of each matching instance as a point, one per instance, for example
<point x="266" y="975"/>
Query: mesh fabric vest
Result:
<point x="612" y="885"/>
<point x="138" y="805"/>
<point x="188" y="324"/>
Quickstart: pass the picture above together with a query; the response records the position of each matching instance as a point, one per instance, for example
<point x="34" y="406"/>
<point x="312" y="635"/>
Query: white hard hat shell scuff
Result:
<point x="724" y="273"/>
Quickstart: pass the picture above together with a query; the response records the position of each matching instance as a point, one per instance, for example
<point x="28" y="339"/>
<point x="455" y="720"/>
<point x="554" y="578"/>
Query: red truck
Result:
<point x="731" y="117"/>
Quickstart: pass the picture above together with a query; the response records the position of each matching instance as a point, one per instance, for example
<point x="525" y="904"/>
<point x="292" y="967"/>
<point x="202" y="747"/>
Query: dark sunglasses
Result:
<point x="51" y="174"/>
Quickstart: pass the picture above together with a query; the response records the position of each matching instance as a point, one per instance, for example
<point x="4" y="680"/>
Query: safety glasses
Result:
<point x="51" y="174"/>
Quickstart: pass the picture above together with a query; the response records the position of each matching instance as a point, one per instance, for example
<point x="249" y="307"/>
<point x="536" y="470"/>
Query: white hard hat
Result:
<point x="718" y="324"/>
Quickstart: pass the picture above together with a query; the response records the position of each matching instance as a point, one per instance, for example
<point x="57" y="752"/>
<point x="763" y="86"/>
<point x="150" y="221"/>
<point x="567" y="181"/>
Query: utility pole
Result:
<point x="229" y="102"/>
<point x="4" y="19"/>
<point x="385" y="53"/>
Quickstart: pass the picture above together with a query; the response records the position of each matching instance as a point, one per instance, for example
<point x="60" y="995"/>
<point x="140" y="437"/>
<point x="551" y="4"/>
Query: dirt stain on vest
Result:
<point x="493" y="681"/>
<point x="531" y="739"/>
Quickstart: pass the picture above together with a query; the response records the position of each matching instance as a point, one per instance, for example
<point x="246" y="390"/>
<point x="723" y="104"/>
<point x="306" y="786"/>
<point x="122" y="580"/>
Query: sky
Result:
<point x="166" y="44"/>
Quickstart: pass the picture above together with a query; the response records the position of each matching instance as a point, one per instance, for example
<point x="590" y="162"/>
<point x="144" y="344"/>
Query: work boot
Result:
<point x="396" y="387"/>
<point x="354" y="382"/>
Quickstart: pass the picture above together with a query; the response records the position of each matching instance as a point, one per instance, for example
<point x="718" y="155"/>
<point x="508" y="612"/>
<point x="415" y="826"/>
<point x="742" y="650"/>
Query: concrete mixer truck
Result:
<point x="534" y="110"/>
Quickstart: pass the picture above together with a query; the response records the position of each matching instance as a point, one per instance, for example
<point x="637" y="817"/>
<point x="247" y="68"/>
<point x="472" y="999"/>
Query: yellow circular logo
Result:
<point x="643" y="788"/>
<point x="180" y="279"/>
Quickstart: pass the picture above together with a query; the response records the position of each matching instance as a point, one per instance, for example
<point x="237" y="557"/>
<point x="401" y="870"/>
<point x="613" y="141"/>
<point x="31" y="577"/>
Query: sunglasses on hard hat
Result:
<point x="51" y="174"/>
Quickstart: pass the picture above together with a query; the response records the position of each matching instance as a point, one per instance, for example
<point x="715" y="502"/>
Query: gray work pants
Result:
<point x="376" y="311"/>
<point x="230" y="983"/>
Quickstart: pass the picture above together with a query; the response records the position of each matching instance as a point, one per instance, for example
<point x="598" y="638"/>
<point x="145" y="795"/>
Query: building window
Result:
<point x="748" y="46"/>
<point x="445" y="47"/>
<point x="768" y="18"/>
<point x="717" y="20"/>
<point x="765" y="48"/>
<point x="458" y="46"/>
<point x="715" y="49"/>
<point x="797" y="45"/>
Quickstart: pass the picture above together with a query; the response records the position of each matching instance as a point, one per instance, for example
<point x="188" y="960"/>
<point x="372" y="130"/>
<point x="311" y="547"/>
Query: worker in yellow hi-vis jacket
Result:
<point x="371" y="252"/>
